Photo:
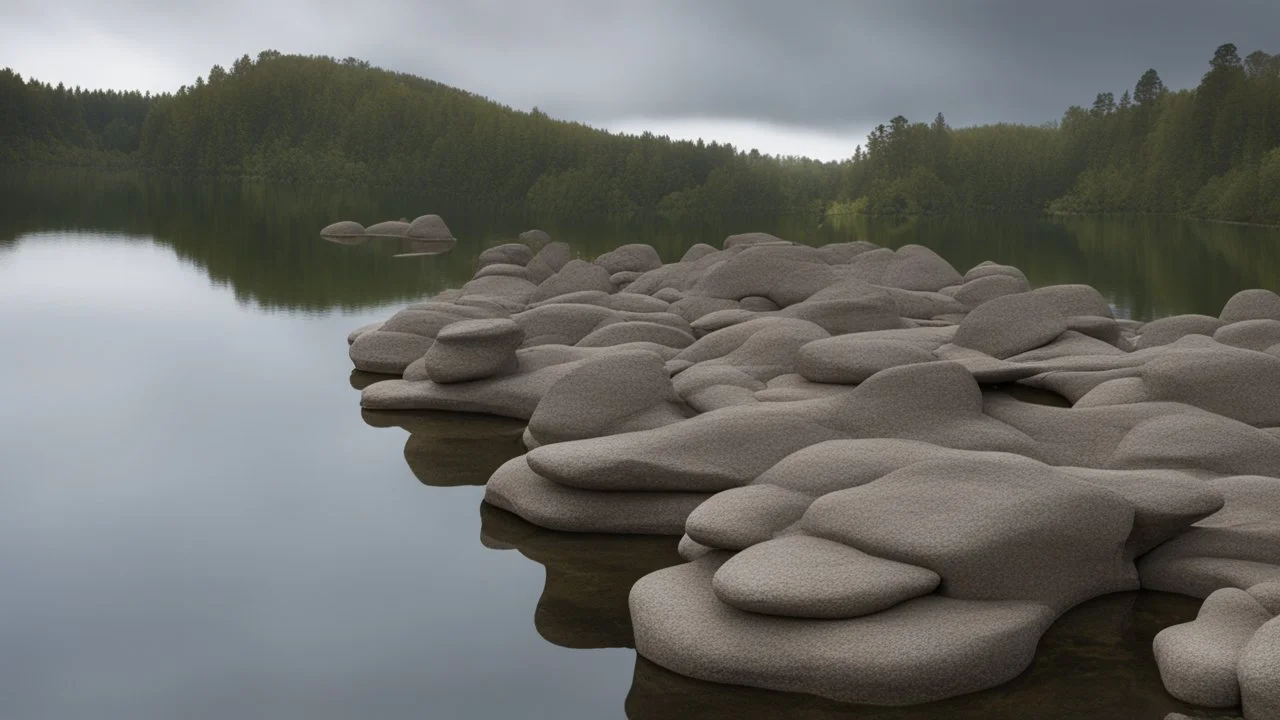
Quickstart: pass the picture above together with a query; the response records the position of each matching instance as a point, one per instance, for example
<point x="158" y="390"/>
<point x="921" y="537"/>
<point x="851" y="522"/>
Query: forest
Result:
<point x="1211" y="151"/>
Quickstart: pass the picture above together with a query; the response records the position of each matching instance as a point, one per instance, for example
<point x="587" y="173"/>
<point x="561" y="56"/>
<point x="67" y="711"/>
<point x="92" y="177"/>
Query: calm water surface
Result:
<point x="197" y="521"/>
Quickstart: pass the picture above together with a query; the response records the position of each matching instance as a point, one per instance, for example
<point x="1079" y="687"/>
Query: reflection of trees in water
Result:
<point x="1149" y="265"/>
<point x="263" y="241"/>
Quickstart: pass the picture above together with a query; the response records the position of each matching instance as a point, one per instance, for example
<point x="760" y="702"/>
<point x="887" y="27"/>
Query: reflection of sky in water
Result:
<point x="195" y="521"/>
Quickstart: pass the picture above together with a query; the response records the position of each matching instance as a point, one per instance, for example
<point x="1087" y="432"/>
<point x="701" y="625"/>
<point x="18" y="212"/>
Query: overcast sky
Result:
<point x="790" y="77"/>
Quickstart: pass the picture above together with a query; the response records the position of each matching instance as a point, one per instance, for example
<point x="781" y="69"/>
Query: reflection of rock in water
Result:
<point x="361" y="379"/>
<point x="584" y="600"/>
<point x="1094" y="662"/>
<point x="346" y="240"/>
<point x="448" y="449"/>
<point x="421" y="248"/>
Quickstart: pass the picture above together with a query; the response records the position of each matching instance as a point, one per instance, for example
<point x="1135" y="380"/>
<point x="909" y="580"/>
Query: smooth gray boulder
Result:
<point x="697" y="252"/>
<point x="988" y="525"/>
<point x="1259" y="673"/>
<point x="575" y="276"/>
<point x="1168" y="329"/>
<point x="388" y="229"/>
<point x="739" y="518"/>
<point x="535" y="239"/>
<point x="505" y="254"/>
<point x="988" y="287"/>
<point x="849" y="359"/>
<point x="751" y="238"/>
<point x="1073" y="300"/>
<point x="428" y="227"/>
<point x="1250" y="334"/>
<point x="1011" y="324"/>
<point x="923" y="649"/>
<point x="473" y="350"/>
<point x="1239" y="384"/>
<point x="637" y="331"/>
<point x="636" y="257"/>
<point x="916" y="267"/>
<point x="382" y="351"/>
<point x="351" y="337"/>
<point x="625" y="278"/>
<point x="1268" y="596"/>
<point x="1198" y="659"/>
<point x="1257" y="304"/>
<point x="1238" y="546"/>
<point x="517" y="489"/>
<point x="808" y="577"/>
<point x="343" y="229"/>
<point x="506" y="270"/>
<point x="989" y="268"/>
<point x="614" y="393"/>
<point x="758" y="303"/>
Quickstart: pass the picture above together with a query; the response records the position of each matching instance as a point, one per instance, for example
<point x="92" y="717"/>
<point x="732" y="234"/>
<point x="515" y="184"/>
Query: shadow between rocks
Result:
<point x="447" y="449"/>
<point x="1095" y="662"/>
<point x="589" y="576"/>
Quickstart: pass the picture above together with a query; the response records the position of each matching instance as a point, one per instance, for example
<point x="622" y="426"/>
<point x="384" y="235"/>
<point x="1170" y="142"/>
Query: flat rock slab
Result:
<point x="920" y="650"/>
<point x="808" y="577"/>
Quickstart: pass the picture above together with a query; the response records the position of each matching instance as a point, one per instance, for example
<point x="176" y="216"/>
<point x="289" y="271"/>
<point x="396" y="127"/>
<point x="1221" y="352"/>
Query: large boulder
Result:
<point x="1250" y="334"/>
<point x="388" y="229"/>
<point x="1259" y="673"/>
<point x="739" y="518"/>
<point x="923" y="649"/>
<point x="916" y="267"/>
<point x="1198" y="660"/>
<point x="1255" y="304"/>
<point x="617" y="392"/>
<point x="575" y="276"/>
<point x="343" y="229"/>
<point x="429" y="227"/>
<point x="535" y="239"/>
<point x="989" y="525"/>
<point x="849" y="359"/>
<point x="1011" y="324"/>
<point x="1175" y="327"/>
<point x="636" y="257"/>
<point x="751" y="238"/>
<point x="808" y="577"/>
<point x="1075" y="300"/>
<point x="786" y="274"/>
<point x="382" y="351"/>
<point x="988" y="287"/>
<point x="507" y="254"/>
<point x="473" y="349"/>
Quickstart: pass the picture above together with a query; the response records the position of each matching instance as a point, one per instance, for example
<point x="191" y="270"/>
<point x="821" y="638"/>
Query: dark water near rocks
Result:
<point x="196" y="520"/>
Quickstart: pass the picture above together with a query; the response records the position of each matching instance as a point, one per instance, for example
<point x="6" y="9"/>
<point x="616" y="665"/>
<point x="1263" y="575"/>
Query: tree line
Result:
<point x="1211" y="151"/>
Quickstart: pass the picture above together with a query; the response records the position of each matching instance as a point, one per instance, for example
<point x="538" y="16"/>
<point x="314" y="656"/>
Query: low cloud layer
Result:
<point x="815" y="66"/>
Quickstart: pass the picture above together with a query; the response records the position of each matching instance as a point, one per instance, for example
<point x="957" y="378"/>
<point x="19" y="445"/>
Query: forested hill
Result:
<point x="1212" y="151"/>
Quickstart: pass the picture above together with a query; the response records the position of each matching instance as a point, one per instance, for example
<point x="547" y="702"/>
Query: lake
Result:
<point x="199" y="522"/>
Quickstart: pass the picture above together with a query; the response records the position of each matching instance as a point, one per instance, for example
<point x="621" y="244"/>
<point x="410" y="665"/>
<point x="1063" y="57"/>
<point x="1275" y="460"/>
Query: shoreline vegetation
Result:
<point x="1211" y="152"/>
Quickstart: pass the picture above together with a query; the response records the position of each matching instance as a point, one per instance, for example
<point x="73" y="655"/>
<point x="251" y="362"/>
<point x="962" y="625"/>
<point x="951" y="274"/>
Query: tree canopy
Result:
<point x="1212" y="151"/>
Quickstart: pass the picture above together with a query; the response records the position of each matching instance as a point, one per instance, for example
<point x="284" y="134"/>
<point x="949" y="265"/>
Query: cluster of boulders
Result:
<point x="868" y="511"/>
<point x="426" y="235"/>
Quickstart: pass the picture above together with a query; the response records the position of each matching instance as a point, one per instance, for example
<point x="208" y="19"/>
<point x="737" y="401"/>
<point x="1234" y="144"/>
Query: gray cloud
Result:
<point x="818" y="64"/>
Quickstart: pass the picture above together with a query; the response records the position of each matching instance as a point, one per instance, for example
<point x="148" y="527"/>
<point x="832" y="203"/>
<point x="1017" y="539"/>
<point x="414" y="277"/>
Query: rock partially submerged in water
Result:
<point x="869" y="513"/>
<point x="346" y="232"/>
